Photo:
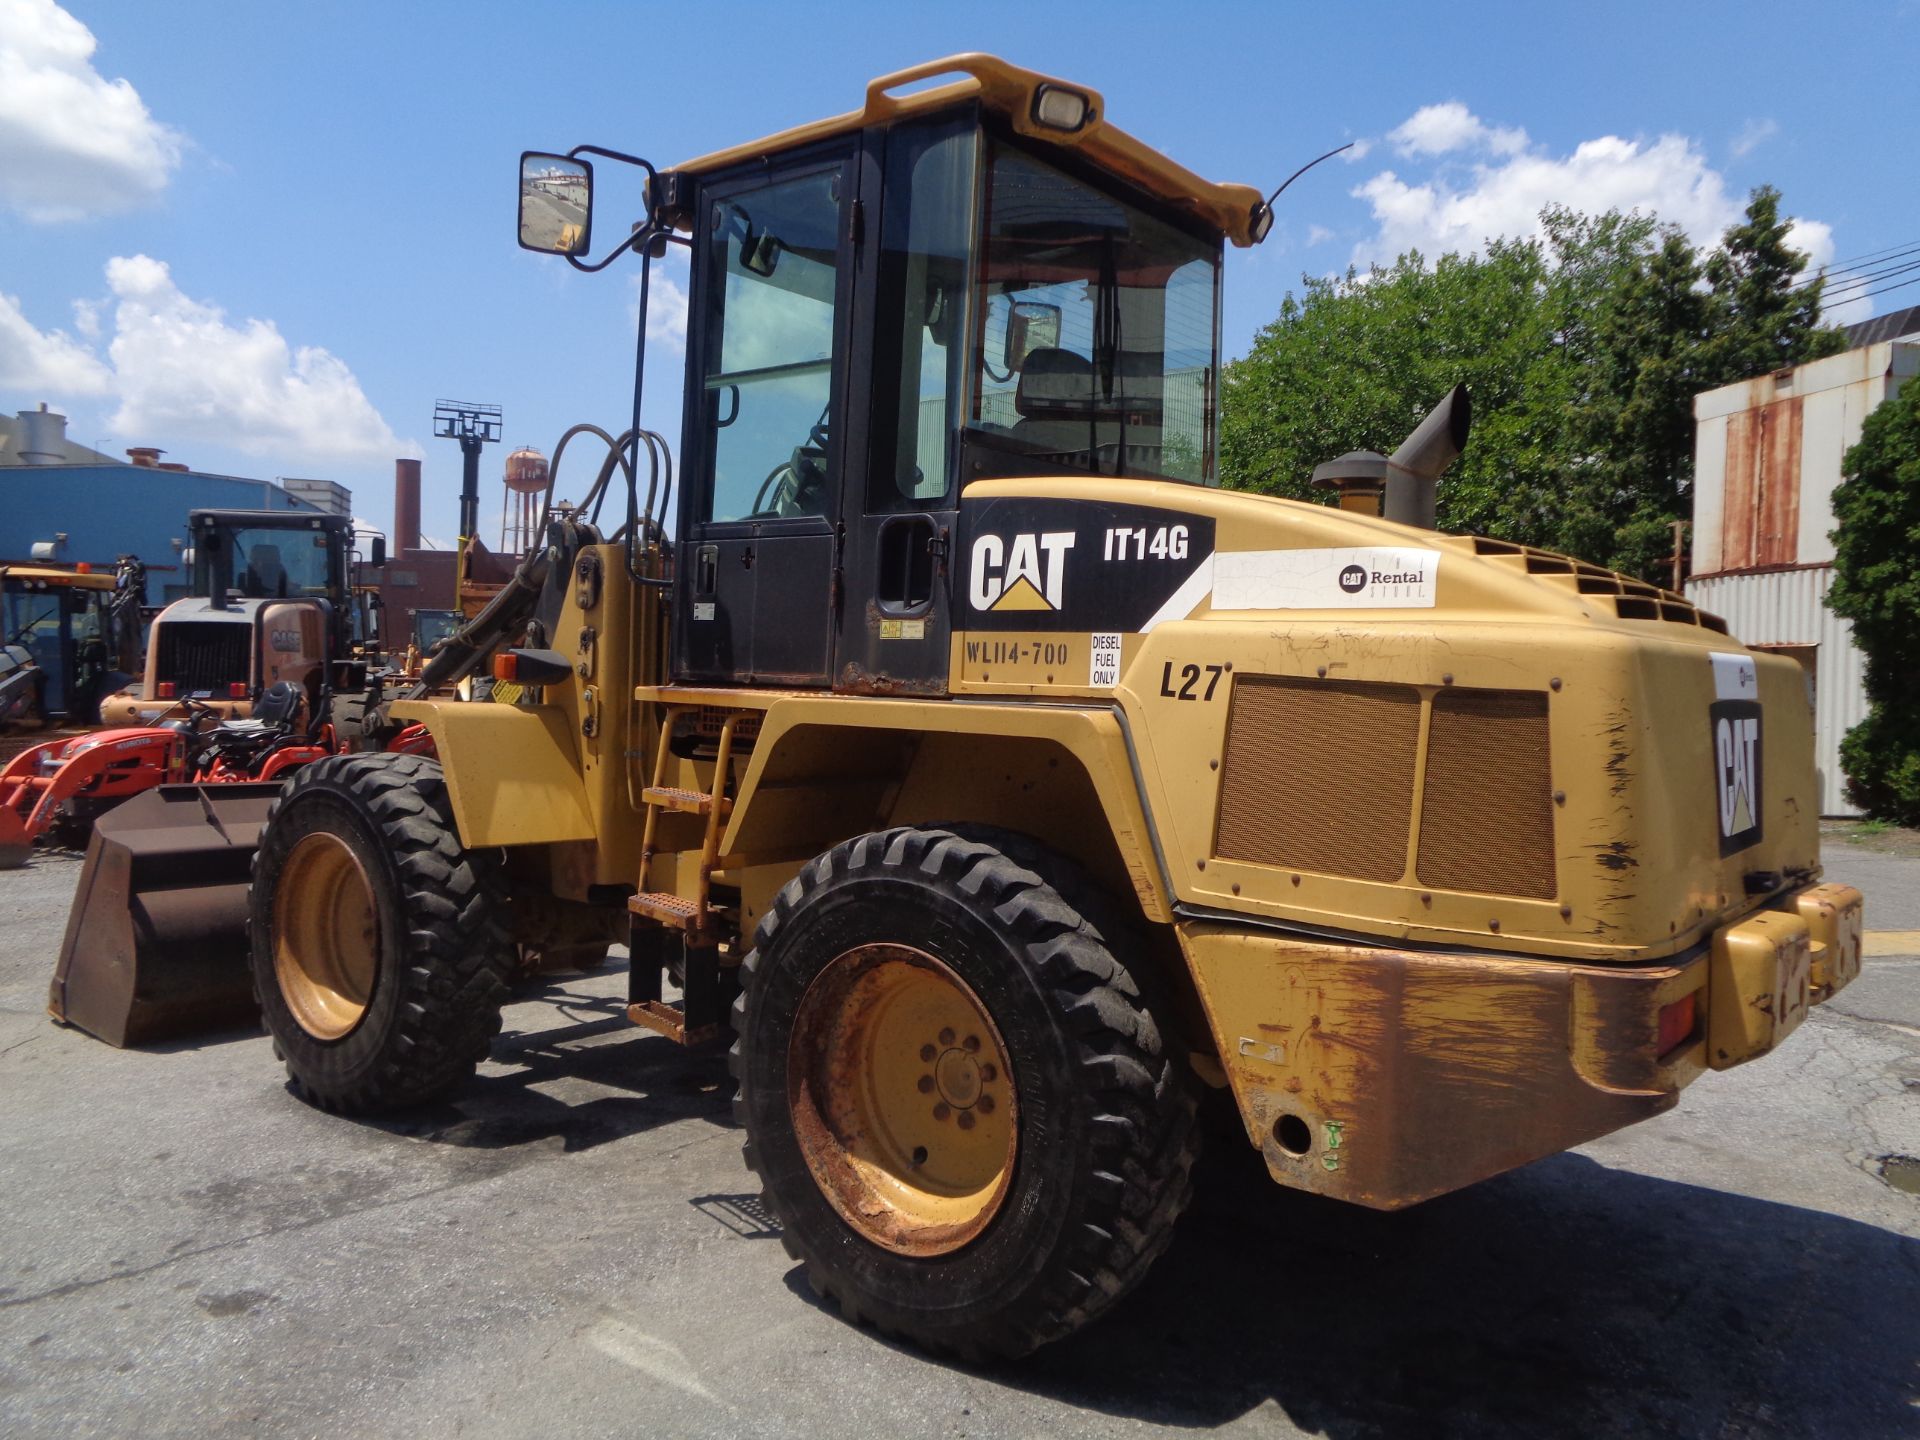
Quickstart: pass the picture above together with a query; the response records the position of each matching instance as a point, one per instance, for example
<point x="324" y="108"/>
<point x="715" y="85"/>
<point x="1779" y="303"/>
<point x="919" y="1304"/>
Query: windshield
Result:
<point x="31" y="617"/>
<point x="1097" y="334"/>
<point x="430" y="627"/>
<point x="262" y="563"/>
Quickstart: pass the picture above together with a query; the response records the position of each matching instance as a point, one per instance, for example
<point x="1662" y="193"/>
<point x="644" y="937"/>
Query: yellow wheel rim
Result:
<point x="326" y="938"/>
<point x="902" y="1099"/>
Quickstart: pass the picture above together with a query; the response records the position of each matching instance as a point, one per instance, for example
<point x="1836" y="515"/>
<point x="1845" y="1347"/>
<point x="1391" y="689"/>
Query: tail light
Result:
<point x="1676" y="1023"/>
<point x="238" y="690"/>
<point x="164" y="690"/>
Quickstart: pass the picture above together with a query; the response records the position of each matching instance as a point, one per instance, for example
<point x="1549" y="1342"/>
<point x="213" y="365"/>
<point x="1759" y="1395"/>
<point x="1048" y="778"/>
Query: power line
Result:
<point x="1850" y="287"/>
<point x="1853" y="260"/>
<point x="1892" y="262"/>
<point x="1847" y="276"/>
<point x="1898" y="285"/>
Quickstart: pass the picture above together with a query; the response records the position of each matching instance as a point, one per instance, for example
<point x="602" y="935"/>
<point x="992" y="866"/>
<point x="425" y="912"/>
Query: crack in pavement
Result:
<point x="74" y="1287"/>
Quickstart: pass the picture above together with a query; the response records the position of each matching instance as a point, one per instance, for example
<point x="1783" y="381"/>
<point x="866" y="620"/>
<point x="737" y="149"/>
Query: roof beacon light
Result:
<point x="1058" y="108"/>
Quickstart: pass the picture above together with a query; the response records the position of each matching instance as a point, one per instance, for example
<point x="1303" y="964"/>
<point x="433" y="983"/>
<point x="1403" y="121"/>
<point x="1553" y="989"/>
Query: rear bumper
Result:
<point x="1387" y="1077"/>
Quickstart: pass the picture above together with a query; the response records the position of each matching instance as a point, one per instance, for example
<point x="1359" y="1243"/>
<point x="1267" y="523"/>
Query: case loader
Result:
<point x="996" y="785"/>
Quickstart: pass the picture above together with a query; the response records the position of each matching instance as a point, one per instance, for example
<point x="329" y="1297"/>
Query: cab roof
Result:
<point x="51" y="575"/>
<point x="1011" y="93"/>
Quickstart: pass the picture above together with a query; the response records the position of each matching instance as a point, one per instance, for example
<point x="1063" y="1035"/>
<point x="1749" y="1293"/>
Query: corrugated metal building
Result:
<point x="1767" y="455"/>
<point x="96" y="510"/>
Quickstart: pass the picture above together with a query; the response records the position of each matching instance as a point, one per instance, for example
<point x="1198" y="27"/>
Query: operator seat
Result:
<point x="1055" y="402"/>
<point x="265" y="576"/>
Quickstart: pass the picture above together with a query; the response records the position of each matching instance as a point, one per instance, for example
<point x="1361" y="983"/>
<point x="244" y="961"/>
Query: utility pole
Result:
<point x="1679" y="553"/>
<point x="473" y="426"/>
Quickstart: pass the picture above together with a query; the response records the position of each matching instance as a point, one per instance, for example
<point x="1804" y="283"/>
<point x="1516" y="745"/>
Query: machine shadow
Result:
<point x="1564" y="1299"/>
<point x="1567" y="1298"/>
<point x="568" y="1047"/>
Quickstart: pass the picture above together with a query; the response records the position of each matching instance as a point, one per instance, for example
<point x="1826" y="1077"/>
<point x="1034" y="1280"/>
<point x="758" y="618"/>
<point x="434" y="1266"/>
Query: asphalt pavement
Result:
<point x="573" y="1248"/>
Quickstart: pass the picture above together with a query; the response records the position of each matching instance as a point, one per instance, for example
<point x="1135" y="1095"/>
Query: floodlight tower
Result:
<point x="473" y="426"/>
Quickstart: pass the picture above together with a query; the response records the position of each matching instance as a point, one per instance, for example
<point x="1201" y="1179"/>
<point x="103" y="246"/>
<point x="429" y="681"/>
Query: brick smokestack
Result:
<point x="406" y="506"/>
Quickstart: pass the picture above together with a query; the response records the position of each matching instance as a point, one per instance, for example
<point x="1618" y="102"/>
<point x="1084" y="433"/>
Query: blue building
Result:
<point x="87" y="506"/>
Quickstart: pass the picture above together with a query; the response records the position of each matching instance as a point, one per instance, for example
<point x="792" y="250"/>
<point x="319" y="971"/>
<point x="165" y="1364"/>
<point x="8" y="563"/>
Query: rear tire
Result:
<point x="986" y="1238"/>
<point x="379" y="961"/>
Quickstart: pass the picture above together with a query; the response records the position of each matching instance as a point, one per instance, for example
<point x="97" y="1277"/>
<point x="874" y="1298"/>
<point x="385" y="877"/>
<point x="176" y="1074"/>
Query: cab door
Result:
<point x="899" y="513"/>
<point x="769" y="330"/>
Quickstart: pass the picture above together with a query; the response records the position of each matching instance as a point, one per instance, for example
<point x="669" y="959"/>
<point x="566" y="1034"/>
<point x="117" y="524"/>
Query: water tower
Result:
<point x="526" y="480"/>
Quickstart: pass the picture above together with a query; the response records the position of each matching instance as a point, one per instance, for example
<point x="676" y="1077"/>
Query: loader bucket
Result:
<point x="156" y="943"/>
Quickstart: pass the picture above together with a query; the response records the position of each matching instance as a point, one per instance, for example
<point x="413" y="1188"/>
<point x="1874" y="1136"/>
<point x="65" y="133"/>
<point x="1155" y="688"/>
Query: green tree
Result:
<point x="1876" y="585"/>
<point x="1354" y="362"/>
<point x="1762" y="318"/>
<point x="1582" y="352"/>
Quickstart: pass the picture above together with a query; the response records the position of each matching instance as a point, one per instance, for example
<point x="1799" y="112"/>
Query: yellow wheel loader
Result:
<point x="1001" y="785"/>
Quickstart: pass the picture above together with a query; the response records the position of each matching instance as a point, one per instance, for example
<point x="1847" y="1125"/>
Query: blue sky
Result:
<point x="267" y="237"/>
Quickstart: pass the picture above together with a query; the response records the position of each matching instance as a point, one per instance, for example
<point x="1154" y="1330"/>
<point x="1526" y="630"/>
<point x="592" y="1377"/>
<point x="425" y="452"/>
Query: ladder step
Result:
<point x="691" y="802"/>
<point x="670" y="1021"/>
<point x="666" y="907"/>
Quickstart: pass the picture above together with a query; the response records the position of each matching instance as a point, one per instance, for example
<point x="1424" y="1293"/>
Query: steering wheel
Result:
<point x="791" y="486"/>
<point x="782" y="486"/>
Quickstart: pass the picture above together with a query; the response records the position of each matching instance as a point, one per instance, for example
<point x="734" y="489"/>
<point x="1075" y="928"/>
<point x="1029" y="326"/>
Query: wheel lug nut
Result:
<point x="946" y="1036"/>
<point x="941" y="1112"/>
<point x="984" y="1104"/>
<point x="966" y="1120"/>
<point x="971" y="1043"/>
<point x="927" y="1052"/>
<point x="987" y="1072"/>
<point x="926" y="1084"/>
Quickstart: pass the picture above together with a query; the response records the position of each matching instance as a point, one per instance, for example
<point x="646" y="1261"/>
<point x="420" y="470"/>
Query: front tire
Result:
<point x="379" y="962"/>
<point x="966" y="1115"/>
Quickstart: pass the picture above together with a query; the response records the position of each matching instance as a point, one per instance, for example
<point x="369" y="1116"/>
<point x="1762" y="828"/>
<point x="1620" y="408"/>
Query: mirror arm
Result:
<point x="645" y="232"/>
<point x="645" y="235"/>
<point x="624" y="159"/>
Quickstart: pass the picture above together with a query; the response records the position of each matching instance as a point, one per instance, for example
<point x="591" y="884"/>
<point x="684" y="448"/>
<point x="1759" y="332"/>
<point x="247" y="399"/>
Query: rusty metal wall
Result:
<point x="1786" y="609"/>
<point x="1768" y="452"/>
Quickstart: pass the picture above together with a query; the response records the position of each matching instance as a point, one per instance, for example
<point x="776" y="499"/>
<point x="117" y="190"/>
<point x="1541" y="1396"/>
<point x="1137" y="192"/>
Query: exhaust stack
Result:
<point x="1414" y="470"/>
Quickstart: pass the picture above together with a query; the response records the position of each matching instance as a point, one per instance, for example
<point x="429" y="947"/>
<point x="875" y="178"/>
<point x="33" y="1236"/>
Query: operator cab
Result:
<point x="270" y="555"/>
<point x="980" y="280"/>
<point x="80" y="629"/>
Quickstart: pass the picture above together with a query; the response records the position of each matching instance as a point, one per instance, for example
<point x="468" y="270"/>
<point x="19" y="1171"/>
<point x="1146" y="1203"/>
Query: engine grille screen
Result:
<point x="1486" y="816"/>
<point x="1318" y="775"/>
<point x="202" y="655"/>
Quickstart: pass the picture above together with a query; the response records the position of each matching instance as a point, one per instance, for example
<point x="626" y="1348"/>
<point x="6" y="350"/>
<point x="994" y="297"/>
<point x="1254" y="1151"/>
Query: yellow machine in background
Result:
<point x="1014" y="785"/>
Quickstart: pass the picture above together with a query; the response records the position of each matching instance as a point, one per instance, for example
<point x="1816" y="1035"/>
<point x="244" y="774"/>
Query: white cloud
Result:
<point x="182" y="370"/>
<point x="1317" y="233"/>
<point x="667" y="312"/>
<point x="179" y="370"/>
<point x="666" y="300"/>
<point x="1752" y="136"/>
<point x="86" y="317"/>
<point x="1460" y="208"/>
<point x="1461" y="204"/>
<point x="72" y="143"/>
<point x="50" y="363"/>
<point x="1442" y="129"/>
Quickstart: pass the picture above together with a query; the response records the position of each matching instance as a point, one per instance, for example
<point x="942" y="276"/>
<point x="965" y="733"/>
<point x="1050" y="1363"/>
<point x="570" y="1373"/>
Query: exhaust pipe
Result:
<point x="1414" y="470"/>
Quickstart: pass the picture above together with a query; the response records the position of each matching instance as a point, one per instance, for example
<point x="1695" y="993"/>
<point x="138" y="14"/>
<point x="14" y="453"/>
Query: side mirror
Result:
<point x="556" y="204"/>
<point x="1031" y="326"/>
<point x="377" y="551"/>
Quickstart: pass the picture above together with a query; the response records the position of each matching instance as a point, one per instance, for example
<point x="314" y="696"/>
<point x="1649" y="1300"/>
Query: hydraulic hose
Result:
<point x="462" y="652"/>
